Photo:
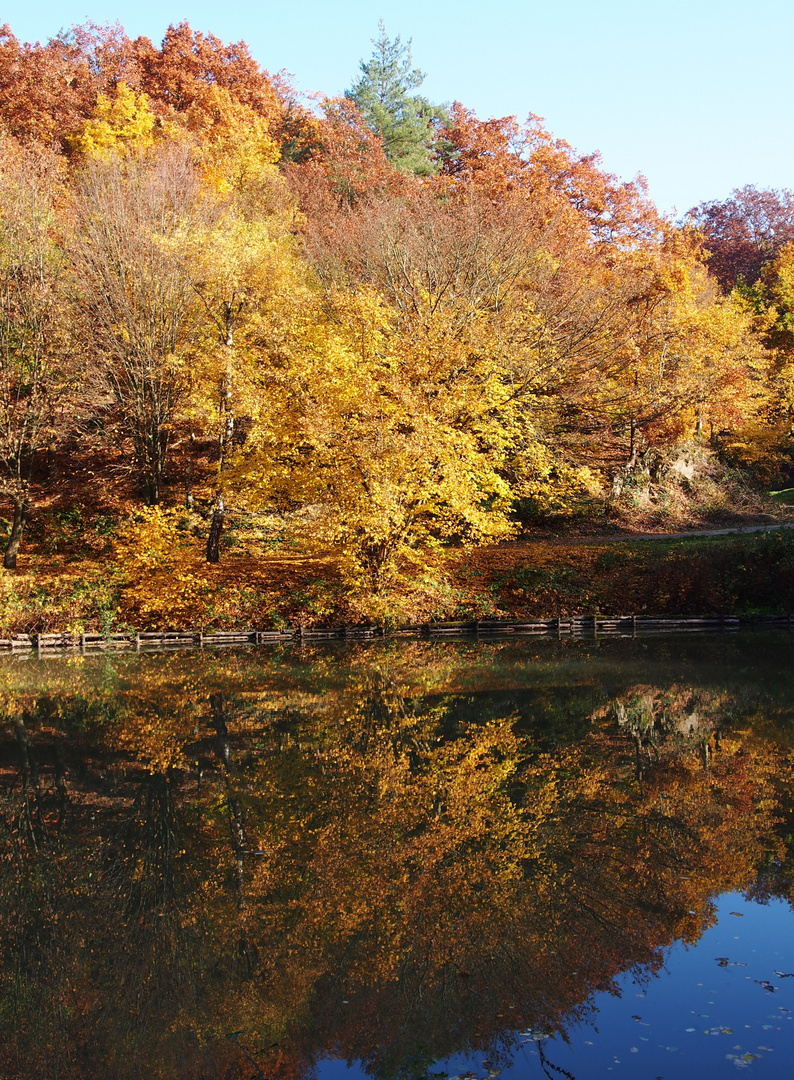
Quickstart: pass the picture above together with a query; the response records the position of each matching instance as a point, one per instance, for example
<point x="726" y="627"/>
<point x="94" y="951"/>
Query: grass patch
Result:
<point x="704" y="575"/>
<point x="720" y="575"/>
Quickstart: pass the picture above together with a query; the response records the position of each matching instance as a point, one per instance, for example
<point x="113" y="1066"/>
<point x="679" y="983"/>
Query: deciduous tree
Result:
<point x="744" y="231"/>
<point x="134" y="219"/>
<point x="32" y="323"/>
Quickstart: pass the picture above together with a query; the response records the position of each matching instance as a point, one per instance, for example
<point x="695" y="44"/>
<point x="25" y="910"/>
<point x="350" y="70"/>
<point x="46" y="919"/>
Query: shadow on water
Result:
<point x="249" y="863"/>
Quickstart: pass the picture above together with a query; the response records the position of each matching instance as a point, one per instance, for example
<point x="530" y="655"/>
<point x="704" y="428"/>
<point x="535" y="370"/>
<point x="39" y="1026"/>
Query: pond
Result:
<point x="400" y="859"/>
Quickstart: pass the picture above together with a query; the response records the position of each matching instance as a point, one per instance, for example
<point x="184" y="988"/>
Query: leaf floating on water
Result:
<point x="785" y="974"/>
<point x="738" y="914"/>
<point x="766" y="985"/>
<point x="723" y="961"/>
<point x="743" y="1061"/>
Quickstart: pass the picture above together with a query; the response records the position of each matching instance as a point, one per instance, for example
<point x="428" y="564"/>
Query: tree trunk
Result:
<point x="60" y="785"/>
<point x="53" y="472"/>
<point x="216" y="527"/>
<point x="633" y="445"/>
<point x="226" y="439"/>
<point x="189" y="476"/>
<point x="21" y="508"/>
<point x="235" y="810"/>
<point x="151" y="492"/>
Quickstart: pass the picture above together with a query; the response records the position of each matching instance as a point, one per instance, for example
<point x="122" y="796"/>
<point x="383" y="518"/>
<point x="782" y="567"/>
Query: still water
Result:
<point x="516" y="859"/>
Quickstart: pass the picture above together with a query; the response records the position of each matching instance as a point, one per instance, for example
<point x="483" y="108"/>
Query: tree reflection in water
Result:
<point x="229" y="866"/>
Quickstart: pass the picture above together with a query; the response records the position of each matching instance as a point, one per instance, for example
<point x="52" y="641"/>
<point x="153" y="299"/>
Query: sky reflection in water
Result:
<point x="696" y="1018"/>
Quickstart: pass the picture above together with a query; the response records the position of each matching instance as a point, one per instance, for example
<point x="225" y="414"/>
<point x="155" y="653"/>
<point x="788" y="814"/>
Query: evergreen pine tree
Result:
<point x="407" y="123"/>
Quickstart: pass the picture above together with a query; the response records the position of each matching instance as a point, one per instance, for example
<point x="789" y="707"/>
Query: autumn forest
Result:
<point x="264" y="359"/>
<point x="300" y="368"/>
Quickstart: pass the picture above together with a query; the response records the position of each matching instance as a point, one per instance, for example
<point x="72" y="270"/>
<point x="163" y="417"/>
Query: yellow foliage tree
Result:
<point x="120" y="124"/>
<point x="386" y="445"/>
<point x="233" y="142"/>
<point x="688" y="360"/>
<point x="245" y="270"/>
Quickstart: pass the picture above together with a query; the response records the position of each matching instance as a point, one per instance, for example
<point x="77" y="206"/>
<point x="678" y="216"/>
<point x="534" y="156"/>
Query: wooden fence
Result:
<point x="592" y="626"/>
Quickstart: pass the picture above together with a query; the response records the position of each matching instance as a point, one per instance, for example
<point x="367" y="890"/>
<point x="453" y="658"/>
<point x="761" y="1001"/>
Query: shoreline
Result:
<point x="715" y="576"/>
<point x="592" y="627"/>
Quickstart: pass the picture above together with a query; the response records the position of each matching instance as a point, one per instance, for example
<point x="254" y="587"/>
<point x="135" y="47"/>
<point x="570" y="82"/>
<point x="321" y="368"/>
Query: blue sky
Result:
<point x="697" y="95"/>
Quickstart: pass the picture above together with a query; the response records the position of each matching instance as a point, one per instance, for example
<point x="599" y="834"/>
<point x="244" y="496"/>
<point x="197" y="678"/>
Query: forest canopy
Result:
<point x="369" y="329"/>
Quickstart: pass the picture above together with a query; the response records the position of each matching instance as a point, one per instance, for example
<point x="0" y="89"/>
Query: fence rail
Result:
<point x="575" y="626"/>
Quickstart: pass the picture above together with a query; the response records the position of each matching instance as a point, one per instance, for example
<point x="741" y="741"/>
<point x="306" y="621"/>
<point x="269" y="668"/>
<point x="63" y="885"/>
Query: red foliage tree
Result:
<point x="343" y="163"/>
<point x="47" y="91"/>
<point x="745" y="231"/>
